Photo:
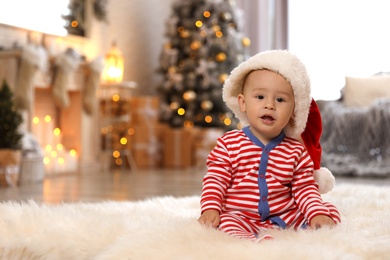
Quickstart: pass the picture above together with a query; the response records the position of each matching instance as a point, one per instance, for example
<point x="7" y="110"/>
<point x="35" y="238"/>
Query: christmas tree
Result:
<point x="204" y="43"/>
<point x="10" y="120"/>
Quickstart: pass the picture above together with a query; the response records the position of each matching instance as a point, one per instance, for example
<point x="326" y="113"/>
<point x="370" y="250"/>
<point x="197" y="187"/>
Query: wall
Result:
<point x="138" y="27"/>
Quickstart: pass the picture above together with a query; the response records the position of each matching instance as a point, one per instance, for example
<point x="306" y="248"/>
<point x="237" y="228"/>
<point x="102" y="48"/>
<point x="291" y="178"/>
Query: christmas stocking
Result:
<point x="32" y="59"/>
<point x="95" y="70"/>
<point x="66" y="64"/>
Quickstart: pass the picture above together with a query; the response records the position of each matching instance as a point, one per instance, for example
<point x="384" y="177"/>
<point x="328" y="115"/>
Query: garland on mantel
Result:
<point x="76" y="17"/>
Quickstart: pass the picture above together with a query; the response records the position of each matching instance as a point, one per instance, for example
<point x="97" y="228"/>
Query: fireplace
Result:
<point x="68" y="136"/>
<point x="51" y="128"/>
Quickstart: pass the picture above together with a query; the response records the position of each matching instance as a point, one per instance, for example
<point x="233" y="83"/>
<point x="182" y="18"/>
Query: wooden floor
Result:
<point x="123" y="185"/>
<point x="118" y="185"/>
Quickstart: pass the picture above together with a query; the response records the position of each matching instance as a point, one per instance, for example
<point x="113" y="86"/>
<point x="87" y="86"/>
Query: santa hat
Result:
<point x="294" y="71"/>
<point x="311" y="137"/>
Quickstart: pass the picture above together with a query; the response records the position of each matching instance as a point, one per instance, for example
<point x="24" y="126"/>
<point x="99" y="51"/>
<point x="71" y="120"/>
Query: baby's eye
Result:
<point x="279" y="99"/>
<point x="260" y="97"/>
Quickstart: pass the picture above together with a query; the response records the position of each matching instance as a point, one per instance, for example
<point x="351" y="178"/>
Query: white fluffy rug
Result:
<point x="166" y="228"/>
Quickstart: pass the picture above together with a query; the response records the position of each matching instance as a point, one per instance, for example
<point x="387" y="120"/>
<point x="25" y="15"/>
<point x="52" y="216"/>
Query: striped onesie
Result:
<point x="256" y="186"/>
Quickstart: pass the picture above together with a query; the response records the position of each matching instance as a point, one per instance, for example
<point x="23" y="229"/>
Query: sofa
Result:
<point x="356" y="128"/>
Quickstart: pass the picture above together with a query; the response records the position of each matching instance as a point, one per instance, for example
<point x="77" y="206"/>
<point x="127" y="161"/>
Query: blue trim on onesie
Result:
<point x="263" y="205"/>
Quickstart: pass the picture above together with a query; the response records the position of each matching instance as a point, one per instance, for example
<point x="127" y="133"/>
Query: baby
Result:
<point x="262" y="176"/>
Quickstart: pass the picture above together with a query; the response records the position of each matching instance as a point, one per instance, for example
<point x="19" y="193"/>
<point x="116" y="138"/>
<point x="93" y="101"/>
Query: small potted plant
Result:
<point x="10" y="137"/>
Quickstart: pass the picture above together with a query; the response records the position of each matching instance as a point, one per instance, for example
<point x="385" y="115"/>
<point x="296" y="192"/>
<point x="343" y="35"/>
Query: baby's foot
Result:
<point x="264" y="237"/>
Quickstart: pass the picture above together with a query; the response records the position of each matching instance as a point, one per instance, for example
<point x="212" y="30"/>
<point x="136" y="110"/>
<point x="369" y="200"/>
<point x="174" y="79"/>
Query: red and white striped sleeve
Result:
<point x="218" y="177"/>
<point x="305" y="189"/>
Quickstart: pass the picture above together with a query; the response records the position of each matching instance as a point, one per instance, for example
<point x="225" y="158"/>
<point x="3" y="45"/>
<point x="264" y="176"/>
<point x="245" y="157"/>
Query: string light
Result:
<point x="55" y="158"/>
<point x="60" y="147"/>
<point x="198" y="24"/>
<point x="218" y="34"/>
<point x="222" y="77"/>
<point x="188" y="124"/>
<point x="123" y="141"/>
<point x="61" y="160"/>
<point x="46" y="160"/>
<point x="131" y="131"/>
<point x="57" y="131"/>
<point x="220" y="57"/>
<point x="74" y="23"/>
<point x="189" y="95"/>
<point x="48" y="148"/>
<point x="116" y="154"/>
<point x="206" y="14"/>
<point x="180" y="29"/>
<point x="181" y="111"/>
<point x="36" y="120"/>
<point x="246" y="42"/>
<point x="118" y="161"/>
<point x="72" y="152"/>
<point x="116" y="97"/>
<point x="195" y="45"/>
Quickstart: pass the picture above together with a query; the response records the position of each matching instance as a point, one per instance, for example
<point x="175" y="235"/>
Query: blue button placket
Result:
<point x="263" y="205"/>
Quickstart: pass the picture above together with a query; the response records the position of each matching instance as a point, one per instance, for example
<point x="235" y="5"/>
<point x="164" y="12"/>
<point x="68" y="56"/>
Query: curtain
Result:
<point x="265" y="23"/>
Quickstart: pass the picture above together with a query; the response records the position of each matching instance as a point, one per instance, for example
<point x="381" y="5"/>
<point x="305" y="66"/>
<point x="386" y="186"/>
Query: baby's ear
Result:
<point x="292" y="121"/>
<point x="241" y="102"/>
<point x="293" y="115"/>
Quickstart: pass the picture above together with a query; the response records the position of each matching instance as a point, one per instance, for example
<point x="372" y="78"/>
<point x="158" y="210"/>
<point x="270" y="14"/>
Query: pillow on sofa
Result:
<point x="361" y="92"/>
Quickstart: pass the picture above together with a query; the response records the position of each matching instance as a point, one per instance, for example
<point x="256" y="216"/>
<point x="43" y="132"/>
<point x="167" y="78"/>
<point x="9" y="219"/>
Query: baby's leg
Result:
<point x="237" y="226"/>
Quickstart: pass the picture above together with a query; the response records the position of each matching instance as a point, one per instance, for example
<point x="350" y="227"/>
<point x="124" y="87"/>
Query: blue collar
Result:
<point x="274" y="142"/>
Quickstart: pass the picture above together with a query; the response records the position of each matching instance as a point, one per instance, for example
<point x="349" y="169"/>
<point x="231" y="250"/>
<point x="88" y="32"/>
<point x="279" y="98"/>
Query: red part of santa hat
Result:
<point x="311" y="137"/>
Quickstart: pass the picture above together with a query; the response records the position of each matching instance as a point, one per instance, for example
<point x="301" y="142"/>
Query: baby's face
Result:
<point x="268" y="101"/>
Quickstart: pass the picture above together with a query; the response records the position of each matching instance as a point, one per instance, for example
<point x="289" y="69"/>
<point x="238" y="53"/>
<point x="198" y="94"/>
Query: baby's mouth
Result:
<point x="267" y="118"/>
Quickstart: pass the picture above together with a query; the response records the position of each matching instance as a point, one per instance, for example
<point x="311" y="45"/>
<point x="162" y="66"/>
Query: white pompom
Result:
<point x="324" y="179"/>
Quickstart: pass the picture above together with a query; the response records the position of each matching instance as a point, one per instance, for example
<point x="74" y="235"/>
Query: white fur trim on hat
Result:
<point x="324" y="179"/>
<point x="287" y="65"/>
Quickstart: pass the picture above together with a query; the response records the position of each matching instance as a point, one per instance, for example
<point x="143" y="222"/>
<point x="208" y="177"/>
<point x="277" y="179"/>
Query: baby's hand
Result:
<point x="210" y="218"/>
<point x="321" y="221"/>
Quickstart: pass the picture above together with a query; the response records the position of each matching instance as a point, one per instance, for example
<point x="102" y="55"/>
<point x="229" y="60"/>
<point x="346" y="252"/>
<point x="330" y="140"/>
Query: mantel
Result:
<point x="10" y="62"/>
